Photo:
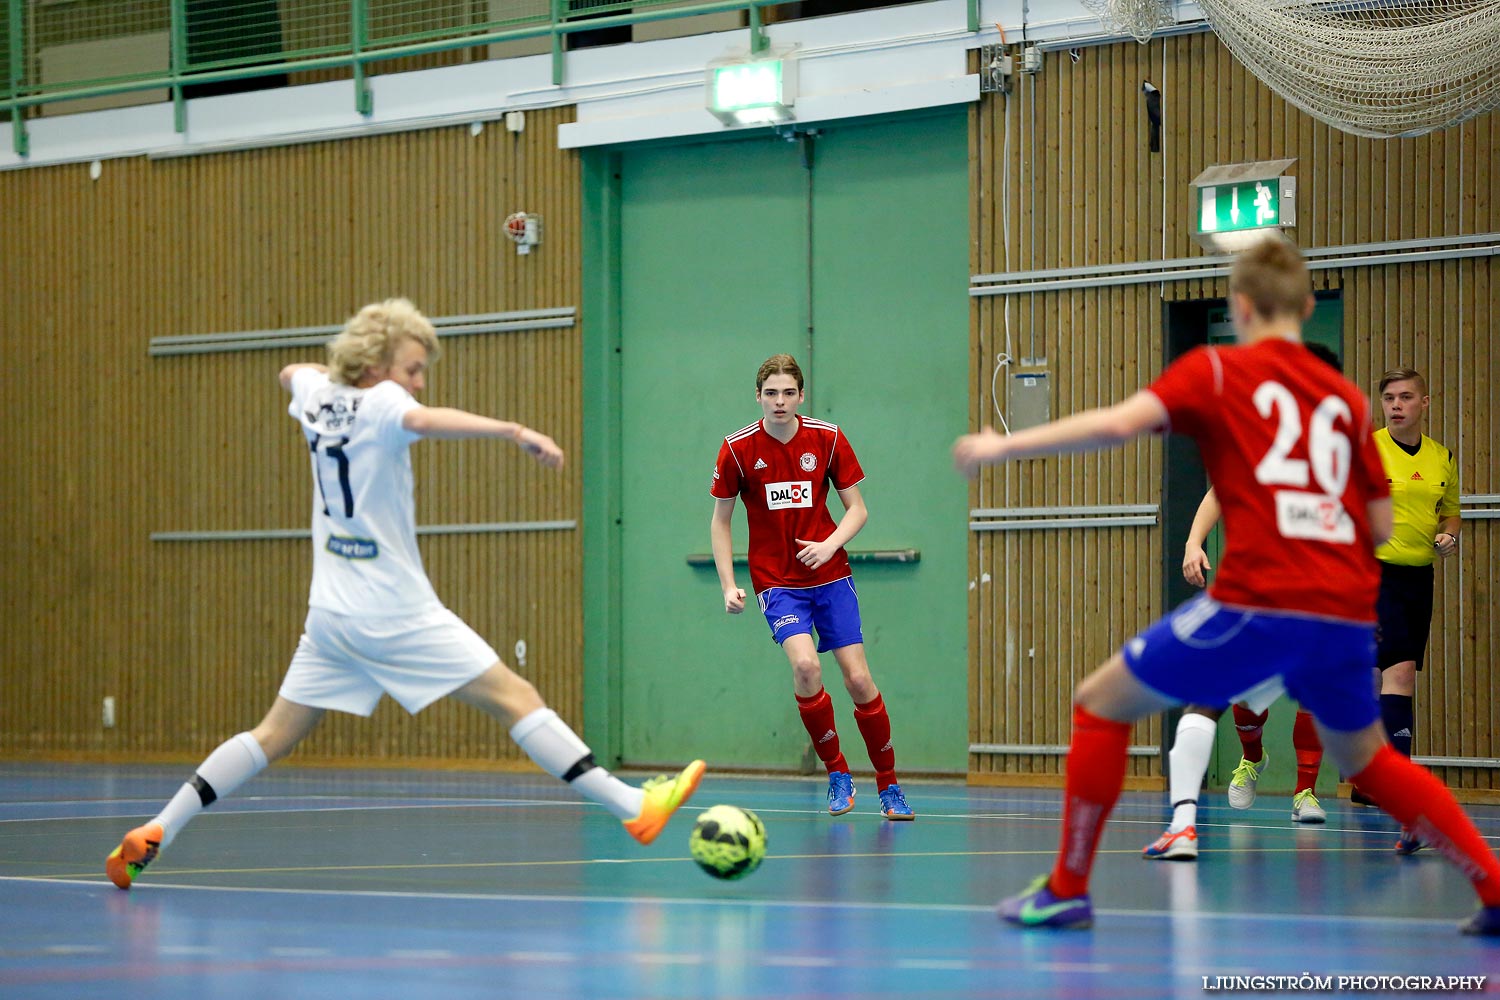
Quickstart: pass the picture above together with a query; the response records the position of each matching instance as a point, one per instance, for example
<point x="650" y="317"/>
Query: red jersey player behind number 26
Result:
<point x="1288" y="447"/>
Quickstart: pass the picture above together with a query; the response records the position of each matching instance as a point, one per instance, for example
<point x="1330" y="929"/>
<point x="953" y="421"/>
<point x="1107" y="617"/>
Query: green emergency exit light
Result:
<point x="752" y="93"/>
<point x="1258" y="204"/>
<point x="1235" y="204"/>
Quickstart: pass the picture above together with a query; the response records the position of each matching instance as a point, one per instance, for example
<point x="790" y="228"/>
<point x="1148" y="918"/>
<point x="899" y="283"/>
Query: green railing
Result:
<point x="205" y="42"/>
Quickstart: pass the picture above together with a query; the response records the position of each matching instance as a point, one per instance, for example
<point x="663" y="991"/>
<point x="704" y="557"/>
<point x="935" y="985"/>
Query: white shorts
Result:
<point x="346" y="663"/>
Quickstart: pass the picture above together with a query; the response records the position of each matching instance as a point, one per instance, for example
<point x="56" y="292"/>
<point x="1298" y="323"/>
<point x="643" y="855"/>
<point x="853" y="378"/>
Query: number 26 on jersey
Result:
<point x="1305" y="510"/>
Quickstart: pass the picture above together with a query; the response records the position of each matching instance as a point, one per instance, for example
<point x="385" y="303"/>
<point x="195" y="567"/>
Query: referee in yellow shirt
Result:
<point x="1423" y="476"/>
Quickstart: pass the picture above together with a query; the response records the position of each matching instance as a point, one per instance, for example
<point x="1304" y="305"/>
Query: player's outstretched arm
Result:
<point x="290" y="372"/>
<point x="1194" y="559"/>
<point x="721" y="541"/>
<point x="447" y="423"/>
<point x="1091" y="430"/>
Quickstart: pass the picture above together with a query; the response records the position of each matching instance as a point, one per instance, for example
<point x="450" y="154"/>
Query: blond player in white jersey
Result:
<point x="374" y="624"/>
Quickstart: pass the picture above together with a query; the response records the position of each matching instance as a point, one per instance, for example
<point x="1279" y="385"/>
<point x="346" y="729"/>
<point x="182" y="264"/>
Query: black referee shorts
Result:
<point x="1403" y="614"/>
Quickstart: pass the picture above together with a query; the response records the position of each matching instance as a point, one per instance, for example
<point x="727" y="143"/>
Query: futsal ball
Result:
<point x="728" y="842"/>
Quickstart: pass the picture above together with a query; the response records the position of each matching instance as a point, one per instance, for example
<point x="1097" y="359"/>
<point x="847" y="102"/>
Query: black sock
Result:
<point x="1396" y="713"/>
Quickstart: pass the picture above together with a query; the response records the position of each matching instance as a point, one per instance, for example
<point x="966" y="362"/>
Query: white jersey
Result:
<point x="364" y="531"/>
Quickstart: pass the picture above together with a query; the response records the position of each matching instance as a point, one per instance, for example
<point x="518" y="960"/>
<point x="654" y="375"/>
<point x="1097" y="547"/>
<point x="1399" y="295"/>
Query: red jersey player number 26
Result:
<point x="1301" y="514"/>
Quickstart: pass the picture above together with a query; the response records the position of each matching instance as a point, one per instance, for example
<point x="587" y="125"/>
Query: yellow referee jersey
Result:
<point x="1424" y="489"/>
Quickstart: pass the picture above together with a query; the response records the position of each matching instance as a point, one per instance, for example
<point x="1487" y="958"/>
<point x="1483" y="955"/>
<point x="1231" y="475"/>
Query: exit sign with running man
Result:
<point x="1257" y="204"/>
<point x="1234" y="204"/>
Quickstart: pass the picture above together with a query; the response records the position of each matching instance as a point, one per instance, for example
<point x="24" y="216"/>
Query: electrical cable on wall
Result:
<point x="1005" y="357"/>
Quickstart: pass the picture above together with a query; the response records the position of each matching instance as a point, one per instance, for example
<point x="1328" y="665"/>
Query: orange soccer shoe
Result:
<point x="1179" y="846"/>
<point x="135" y="852"/>
<point x="664" y="796"/>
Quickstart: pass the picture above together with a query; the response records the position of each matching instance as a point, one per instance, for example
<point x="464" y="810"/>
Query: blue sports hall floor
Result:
<point x="412" y="885"/>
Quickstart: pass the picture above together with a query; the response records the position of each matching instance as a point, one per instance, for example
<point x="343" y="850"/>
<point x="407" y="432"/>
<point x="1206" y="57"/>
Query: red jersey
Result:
<point x="1287" y="444"/>
<point x="785" y="488"/>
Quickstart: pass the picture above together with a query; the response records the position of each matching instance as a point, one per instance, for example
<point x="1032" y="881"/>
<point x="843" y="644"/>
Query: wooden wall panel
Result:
<point x="1084" y="190"/>
<point x="104" y="445"/>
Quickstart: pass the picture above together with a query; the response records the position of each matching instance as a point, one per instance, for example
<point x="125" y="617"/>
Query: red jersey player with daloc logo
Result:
<point x="1288" y="447"/>
<point x="782" y="466"/>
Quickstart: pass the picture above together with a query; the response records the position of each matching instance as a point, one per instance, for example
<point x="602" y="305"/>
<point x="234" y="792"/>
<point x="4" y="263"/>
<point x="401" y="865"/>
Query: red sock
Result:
<point x="1422" y="804"/>
<point x="1096" y="773"/>
<point x="875" y="727"/>
<point x="817" y="717"/>
<point x="1309" y="750"/>
<point x="1250" y="727"/>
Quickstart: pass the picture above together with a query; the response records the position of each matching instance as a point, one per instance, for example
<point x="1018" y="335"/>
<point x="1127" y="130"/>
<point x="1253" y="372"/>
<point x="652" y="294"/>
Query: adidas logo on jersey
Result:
<point x="760" y="463"/>
<point x="1416" y="475"/>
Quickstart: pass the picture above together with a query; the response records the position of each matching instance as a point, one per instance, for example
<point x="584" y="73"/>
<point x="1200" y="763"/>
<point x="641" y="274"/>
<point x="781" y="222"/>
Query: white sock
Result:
<point x="1188" y="764"/>
<point x="557" y="750"/>
<point x="236" y="761"/>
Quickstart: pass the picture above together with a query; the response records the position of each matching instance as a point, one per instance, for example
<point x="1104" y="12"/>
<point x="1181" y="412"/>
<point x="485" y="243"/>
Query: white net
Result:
<point x="1381" y="68"/>
<point x="1138" y="18"/>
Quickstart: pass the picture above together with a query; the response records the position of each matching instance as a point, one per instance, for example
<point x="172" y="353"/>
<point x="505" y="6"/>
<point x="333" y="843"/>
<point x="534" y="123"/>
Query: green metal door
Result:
<point x="891" y="365"/>
<point x="729" y="252"/>
<point x="713" y="280"/>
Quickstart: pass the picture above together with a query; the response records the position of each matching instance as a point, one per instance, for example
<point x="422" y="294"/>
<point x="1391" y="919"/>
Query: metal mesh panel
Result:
<point x="395" y="22"/>
<point x="5" y="88"/>
<point x="402" y="20"/>
<point x="510" y="13"/>
<point x="54" y="33"/>
<point x="70" y="45"/>
<point x="625" y="7"/>
<point x="226" y="33"/>
<point x="94" y="20"/>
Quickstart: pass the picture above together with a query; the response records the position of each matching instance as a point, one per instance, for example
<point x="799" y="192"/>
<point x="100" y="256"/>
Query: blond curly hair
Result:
<point x="370" y="338"/>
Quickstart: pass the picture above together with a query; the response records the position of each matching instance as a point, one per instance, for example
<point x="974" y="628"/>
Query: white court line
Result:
<point x="465" y="804"/>
<point x="942" y="964"/>
<point x="1384" y="835"/>
<point x="771" y="904"/>
<point x="525" y="803"/>
<point x="506" y="897"/>
<point x="667" y="958"/>
<point x="1084" y="967"/>
<point x="505" y="804"/>
<point x="395" y="799"/>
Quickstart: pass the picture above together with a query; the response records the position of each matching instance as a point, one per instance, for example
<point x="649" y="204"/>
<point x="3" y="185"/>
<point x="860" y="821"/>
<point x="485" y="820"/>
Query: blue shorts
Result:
<point x="1206" y="653"/>
<point x="833" y="609"/>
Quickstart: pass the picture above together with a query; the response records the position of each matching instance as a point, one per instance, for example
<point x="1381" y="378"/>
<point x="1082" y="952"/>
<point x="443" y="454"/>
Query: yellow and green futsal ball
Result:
<point x="728" y="842"/>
